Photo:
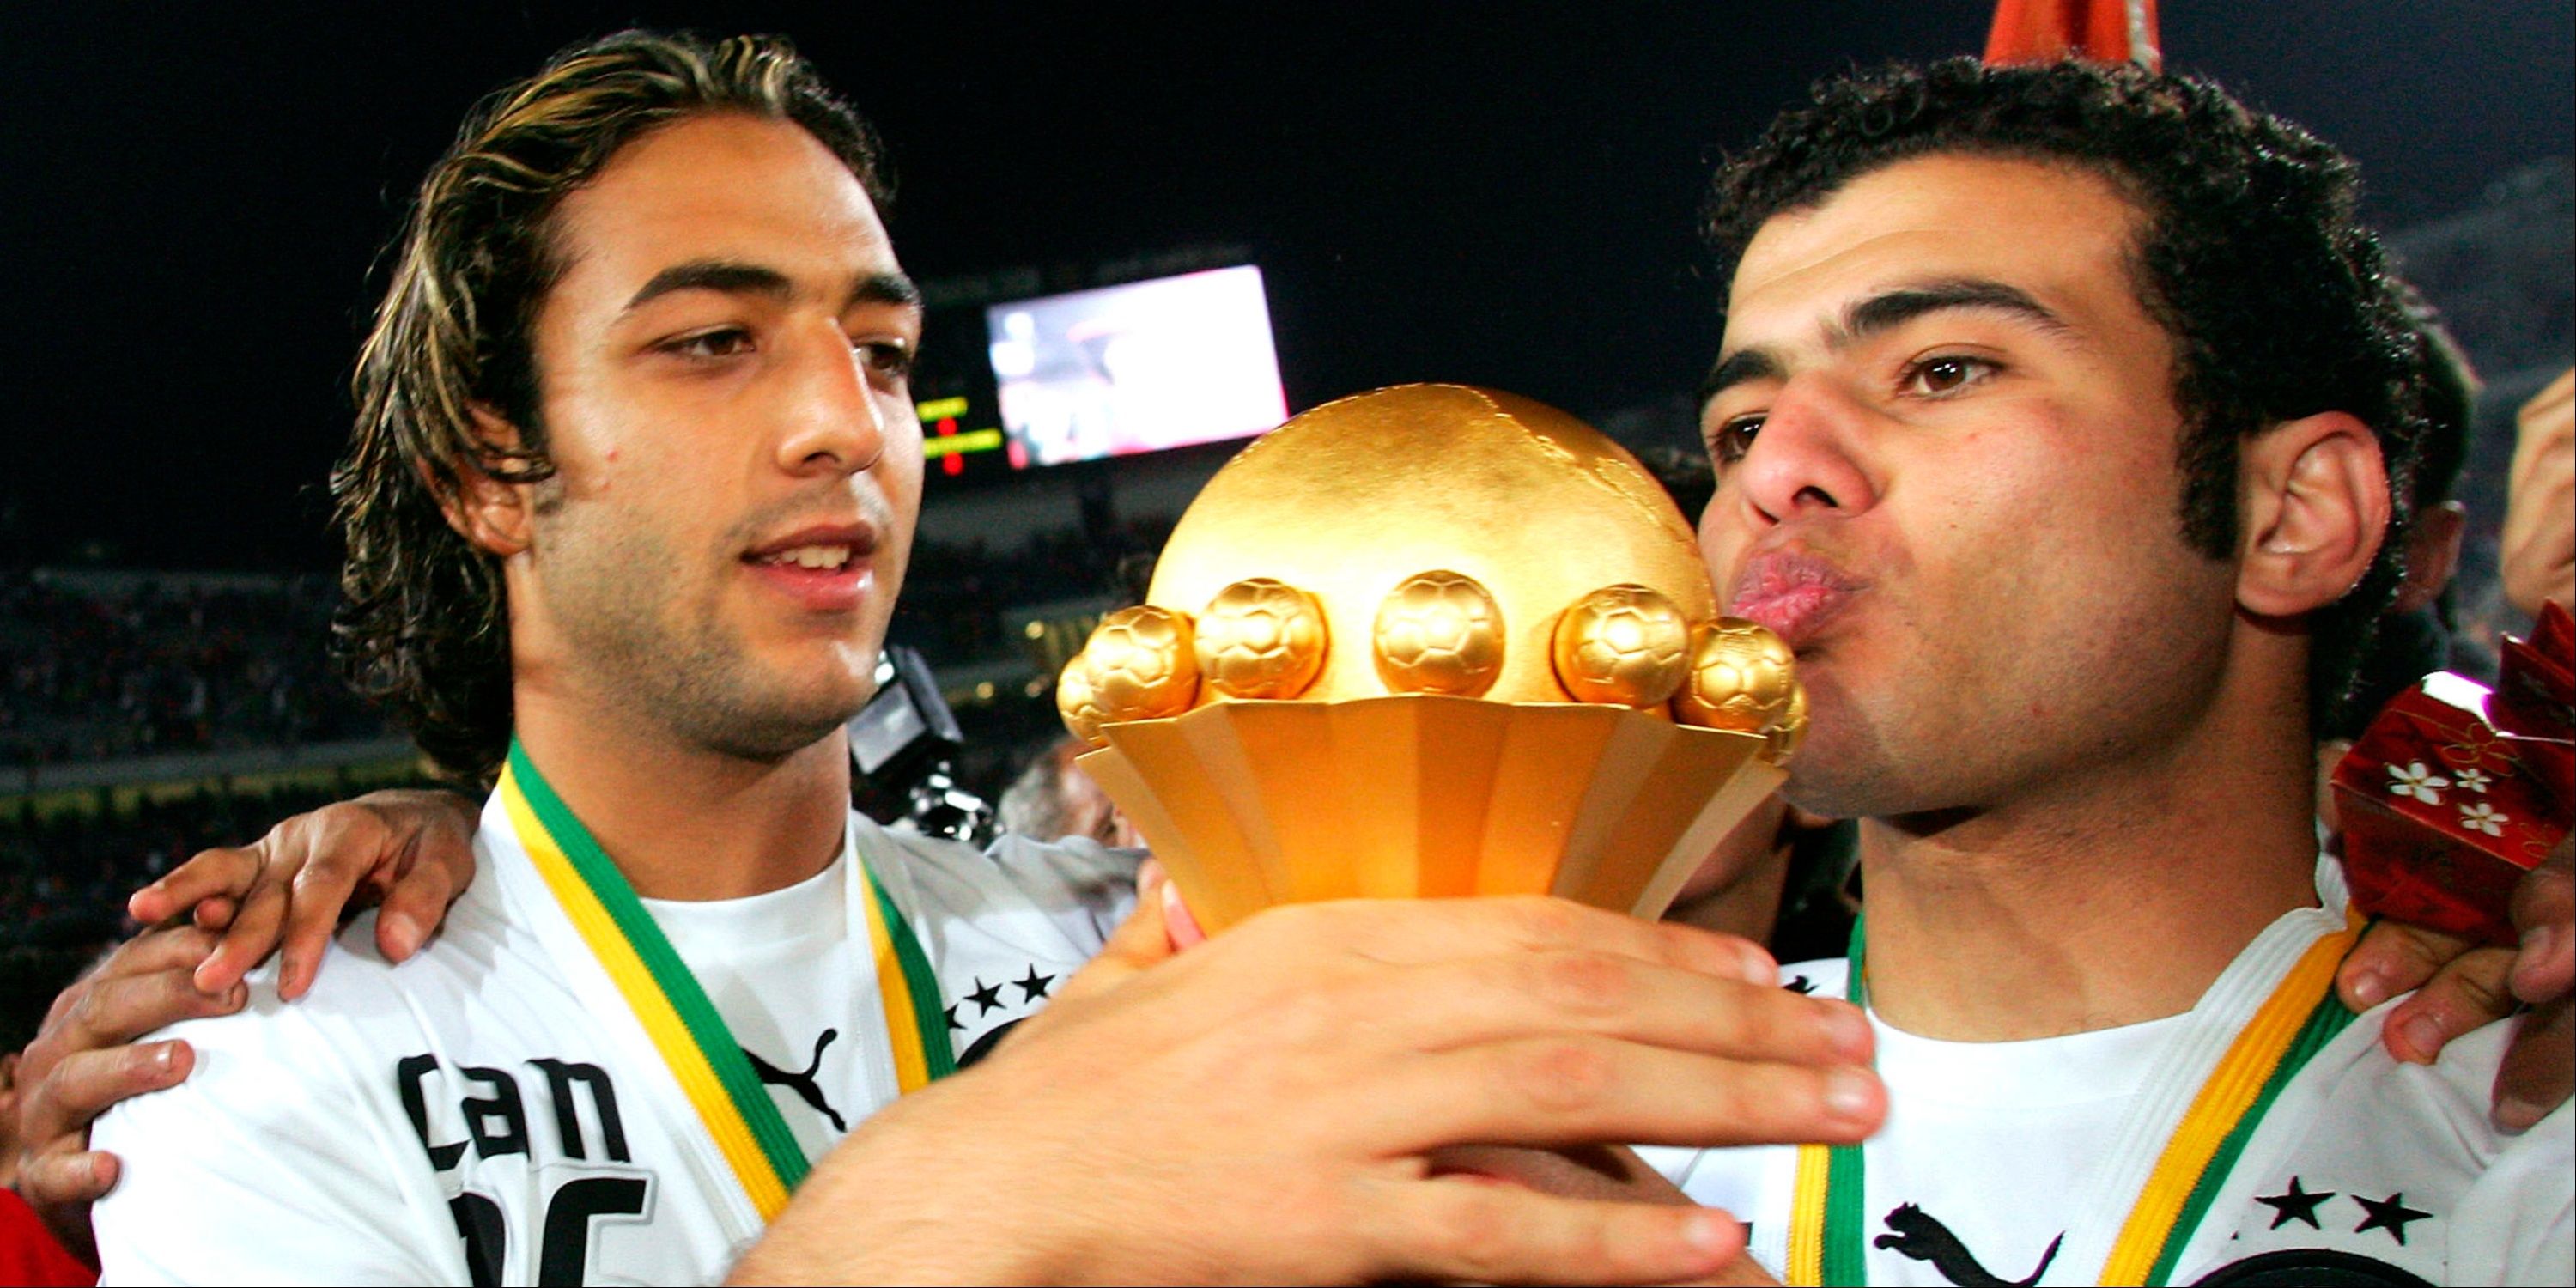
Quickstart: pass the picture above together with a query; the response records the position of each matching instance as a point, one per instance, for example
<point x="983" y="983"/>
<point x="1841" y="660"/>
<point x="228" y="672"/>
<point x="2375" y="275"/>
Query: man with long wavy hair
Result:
<point x="632" y="487"/>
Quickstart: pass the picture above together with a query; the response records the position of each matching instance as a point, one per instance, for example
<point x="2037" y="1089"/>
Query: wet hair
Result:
<point x="424" y="626"/>
<point x="2249" y="254"/>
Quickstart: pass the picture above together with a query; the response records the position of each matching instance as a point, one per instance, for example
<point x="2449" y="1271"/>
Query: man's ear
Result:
<point x="2432" y="554"/>
<point x="491" y="513"/>
<point x="2316" y="509"/>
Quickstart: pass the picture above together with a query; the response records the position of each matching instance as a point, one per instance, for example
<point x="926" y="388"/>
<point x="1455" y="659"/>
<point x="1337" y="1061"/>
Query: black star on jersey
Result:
<point x="986" y="997"/>
<point x="2390" y="1214"/>
<point x="2297" y="1205"/>
<point x="1033" y="985"/>
<point x="954" y="1023"/>
<point x="1800" y="985"/>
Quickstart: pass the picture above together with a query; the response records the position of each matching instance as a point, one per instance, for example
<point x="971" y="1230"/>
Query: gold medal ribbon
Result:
<point x="684" y="1025"/>
<point x="2301" y="1015"/>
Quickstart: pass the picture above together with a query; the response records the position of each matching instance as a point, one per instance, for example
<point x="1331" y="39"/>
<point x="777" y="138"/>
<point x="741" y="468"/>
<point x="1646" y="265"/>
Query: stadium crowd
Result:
<point x="152" y="666"/>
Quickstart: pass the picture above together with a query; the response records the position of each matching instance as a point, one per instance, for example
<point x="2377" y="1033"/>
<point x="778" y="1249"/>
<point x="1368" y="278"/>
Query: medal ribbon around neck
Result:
<point x="684" y="1026"/>
<point x="2301" y="1015"/>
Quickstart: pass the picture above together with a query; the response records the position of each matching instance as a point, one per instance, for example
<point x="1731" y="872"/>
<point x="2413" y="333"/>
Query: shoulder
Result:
<point x="325" y="1045"/>
<point x="1001" y="927"/>
<point x="1073" y="883"/>
<point x="288" y="1125"/>
<point x="2407" y="1159"/>
<point x="276" y="1062"/>
<point x="477" y="957"/>
<point x="2437" y="1110"/>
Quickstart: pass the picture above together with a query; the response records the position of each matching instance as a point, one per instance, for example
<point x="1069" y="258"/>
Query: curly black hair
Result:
<point x="424" y="628"/>
<point x="2251" y="256"/>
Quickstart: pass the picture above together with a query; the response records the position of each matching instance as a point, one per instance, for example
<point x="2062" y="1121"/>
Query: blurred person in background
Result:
<point x="2539" y="544"/>
<point x="1053" y="797"/>
<point x="2413" y="640"/>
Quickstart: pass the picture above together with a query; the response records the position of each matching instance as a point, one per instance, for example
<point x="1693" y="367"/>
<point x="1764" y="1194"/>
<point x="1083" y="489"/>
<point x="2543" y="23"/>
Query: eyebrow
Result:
<point x="730" y="277"/>
<point x="1739" y="367"/>
<point x="885" y="288"/>
<point x="1886" y="311"/>
<point x="1890" y="309"/>
<point x="735" y="277"/>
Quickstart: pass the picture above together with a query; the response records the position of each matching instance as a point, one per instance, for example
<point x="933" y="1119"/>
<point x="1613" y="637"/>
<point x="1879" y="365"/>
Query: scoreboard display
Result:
<point x="949" y="447"/>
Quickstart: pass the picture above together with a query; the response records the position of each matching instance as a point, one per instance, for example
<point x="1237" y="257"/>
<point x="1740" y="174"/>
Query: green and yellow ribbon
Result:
<point x="2301" y="1016"/>
<point x="684" y="1025"/>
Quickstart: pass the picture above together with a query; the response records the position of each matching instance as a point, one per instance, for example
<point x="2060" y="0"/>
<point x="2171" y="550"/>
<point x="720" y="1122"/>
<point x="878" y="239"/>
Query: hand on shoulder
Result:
<point x="2459" y="986"/>
<point x="229" y="909"/>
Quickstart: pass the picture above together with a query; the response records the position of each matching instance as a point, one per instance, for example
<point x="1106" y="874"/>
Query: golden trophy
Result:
<point x="1426" y="641"/>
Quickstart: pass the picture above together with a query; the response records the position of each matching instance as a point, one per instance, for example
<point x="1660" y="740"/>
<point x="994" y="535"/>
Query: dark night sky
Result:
<point x="195" y="194"/>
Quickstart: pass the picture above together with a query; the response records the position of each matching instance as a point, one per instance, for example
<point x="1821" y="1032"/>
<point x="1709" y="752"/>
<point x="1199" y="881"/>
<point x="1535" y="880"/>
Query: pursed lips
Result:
<point x="1792" y="592"/>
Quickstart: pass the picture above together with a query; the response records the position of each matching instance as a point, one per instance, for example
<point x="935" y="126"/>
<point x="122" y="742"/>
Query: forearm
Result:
<point x="890" y="1205"/>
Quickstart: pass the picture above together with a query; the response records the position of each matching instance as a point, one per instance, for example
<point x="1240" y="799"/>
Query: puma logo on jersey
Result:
<point x="1914" y="1233"/>
<point x="806" y="1087"/>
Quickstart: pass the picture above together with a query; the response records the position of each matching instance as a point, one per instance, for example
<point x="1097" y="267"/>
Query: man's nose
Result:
<point x="836" y="416"/>
<point x="1806" y="460"/>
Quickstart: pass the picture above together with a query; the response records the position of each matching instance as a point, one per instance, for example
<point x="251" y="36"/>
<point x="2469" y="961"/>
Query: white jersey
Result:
<point x="471" y="1117"/>
<point x="2017" y="1162"/>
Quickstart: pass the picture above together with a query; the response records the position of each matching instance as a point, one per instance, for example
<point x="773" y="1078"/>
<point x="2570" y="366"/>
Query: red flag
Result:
<point x="2101" y="31"/>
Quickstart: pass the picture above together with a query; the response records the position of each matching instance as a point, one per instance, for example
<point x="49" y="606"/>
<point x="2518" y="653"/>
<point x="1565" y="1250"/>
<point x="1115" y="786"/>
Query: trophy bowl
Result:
<point x="1431" y="641"/>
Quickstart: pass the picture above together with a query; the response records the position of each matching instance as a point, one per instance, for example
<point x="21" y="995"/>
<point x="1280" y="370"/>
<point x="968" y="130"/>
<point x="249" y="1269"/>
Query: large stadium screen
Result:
<point x="1099" y="373"/>
<point x="1136" y="368"/>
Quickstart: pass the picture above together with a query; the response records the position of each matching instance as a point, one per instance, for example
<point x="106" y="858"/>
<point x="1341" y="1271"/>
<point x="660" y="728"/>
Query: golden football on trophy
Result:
<point x="1739" y="678"/>
<point x="1261" y="638"/>
<point x="1139" y="664"/>
<point x="1623" y="644"/>
<point x="1431" y="640"/>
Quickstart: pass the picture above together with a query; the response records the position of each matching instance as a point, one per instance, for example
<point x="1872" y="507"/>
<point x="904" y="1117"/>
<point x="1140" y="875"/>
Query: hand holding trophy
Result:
<point x="1431" y="641"/>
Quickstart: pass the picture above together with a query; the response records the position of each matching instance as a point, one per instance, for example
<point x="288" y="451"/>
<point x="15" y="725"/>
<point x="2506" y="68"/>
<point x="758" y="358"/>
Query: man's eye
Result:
<point x="889" y="358"/>
<point x="724" y="342"/>
<point x="1728" y="443"/>
<point x="1944" y="375"/>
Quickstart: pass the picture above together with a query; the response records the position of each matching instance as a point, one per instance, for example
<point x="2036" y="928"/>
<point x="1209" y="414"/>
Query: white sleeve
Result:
<point x="1077" y="879"/>
<point x="2517" y="1224"/>
<point x="271" y="1163"/>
